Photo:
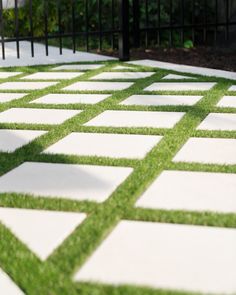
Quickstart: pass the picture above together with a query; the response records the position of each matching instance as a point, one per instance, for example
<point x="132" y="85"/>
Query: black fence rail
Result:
<point x="116" y="24"/>
<point x="172" y="22"/>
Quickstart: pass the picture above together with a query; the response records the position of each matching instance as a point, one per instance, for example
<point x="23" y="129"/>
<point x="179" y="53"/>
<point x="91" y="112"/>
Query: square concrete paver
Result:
<point x="136" y="119"/>
<point x="122" y="75"/>
<point x="208" y="151"/>
<point x="227" y="102"/>
<point x="83" y="67"/>
<point x="6" y="97"/>
<point x="105" y="145"/>
<point x="192" y="191"/>
<point x="8" y="287"/>
<point x="177" y="77"/>
<point x="123" y="68"/>
<point x="98" y="86"/>
<point x="36" y="116"/>
<point x="5" y="75"/>
<point x="52" y="76"/>
<point x="165" y="256"/>
<point x="161" y="100"/>
<point x="26" y="85"/>
<point x="232" y="88"/>
<point x="180" y="86"/>
<point x="40" y="230"/>
<point x="75" y="182"/>
<point x="71" y="98"/>
<point x="218" y="121"/>
<point x="10" y="140"/>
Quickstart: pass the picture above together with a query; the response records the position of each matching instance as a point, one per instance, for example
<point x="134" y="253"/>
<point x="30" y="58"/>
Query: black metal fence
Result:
<point x="116" y="24"/>
<point x="172" y="22"/>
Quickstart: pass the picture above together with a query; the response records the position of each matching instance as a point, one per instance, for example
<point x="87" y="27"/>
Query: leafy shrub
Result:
<point x="79" y="10"/>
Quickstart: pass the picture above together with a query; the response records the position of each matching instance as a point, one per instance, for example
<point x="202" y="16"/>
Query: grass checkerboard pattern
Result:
<point x="55" y="275"/>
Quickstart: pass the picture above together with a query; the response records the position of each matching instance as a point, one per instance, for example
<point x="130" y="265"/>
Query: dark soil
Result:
<point x="202" y="56"/>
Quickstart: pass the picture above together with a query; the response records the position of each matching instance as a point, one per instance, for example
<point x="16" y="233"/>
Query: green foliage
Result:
<point x="188" y="44"/>
<point x="107" y="19"/>
<point x="52" y="8"/>
<point x="37" y="17"/>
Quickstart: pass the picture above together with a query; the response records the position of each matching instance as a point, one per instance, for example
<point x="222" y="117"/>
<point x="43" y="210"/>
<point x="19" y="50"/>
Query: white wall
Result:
<point x="11" y="3"/>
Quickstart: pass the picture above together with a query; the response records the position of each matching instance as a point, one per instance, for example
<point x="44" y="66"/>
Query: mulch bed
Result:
<point x="222" y="59"/>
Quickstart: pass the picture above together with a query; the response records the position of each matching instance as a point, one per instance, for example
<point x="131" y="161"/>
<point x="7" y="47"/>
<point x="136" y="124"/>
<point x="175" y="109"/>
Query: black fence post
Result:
<point x="136" y="23"/>
<point x="2" y="29"/>
<point x="124" y="45"/>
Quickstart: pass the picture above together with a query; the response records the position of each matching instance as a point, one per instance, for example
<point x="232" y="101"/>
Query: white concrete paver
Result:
<point x="26" y="85"/>
<point x="7" y="97"/>
<point x="8" y="287"/>
<point x="165" y="256"/>
<point x="79" y="67"/>
<point x="191" y="191"/>
<point x="4" y="75"/>
<point x="162" y="100"/>
<point x="208" y="151"/>
<point x="219" y="121"/>
<point x="122" y="75"/>
<point x="180" y="86"/>
<point x="227" y="102"/>
<point x="136" y="119"/>
<point x="71" y="98"/>
<point x="177" y="77"/>
<point x="105" y="145"/>
<point x="41" y="231"/>
<point x="232" y="88"/>
<point x="10" y="140"/>
<point x="52" y="76"/>
<point x="123" y="68"/>
<point x="98" y="86"/>
<point x="86" y="182"/>
<point x="36" y="116"/>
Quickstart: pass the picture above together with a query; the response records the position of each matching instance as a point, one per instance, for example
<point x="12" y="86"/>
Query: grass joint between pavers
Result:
<point x="55" y="275"/>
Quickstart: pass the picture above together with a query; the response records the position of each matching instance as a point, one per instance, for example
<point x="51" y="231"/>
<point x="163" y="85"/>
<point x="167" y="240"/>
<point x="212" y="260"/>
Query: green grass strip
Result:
<point x="55" y="275"/>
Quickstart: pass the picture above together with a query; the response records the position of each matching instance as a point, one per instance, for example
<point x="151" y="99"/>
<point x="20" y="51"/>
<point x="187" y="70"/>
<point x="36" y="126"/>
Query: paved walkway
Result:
<point x="142" y="157"/>
<point x="40" y="57"/>
<point x="209" y="72"/>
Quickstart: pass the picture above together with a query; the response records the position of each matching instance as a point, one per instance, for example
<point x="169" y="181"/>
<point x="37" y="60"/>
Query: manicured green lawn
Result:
<point x="55" y="275"/>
